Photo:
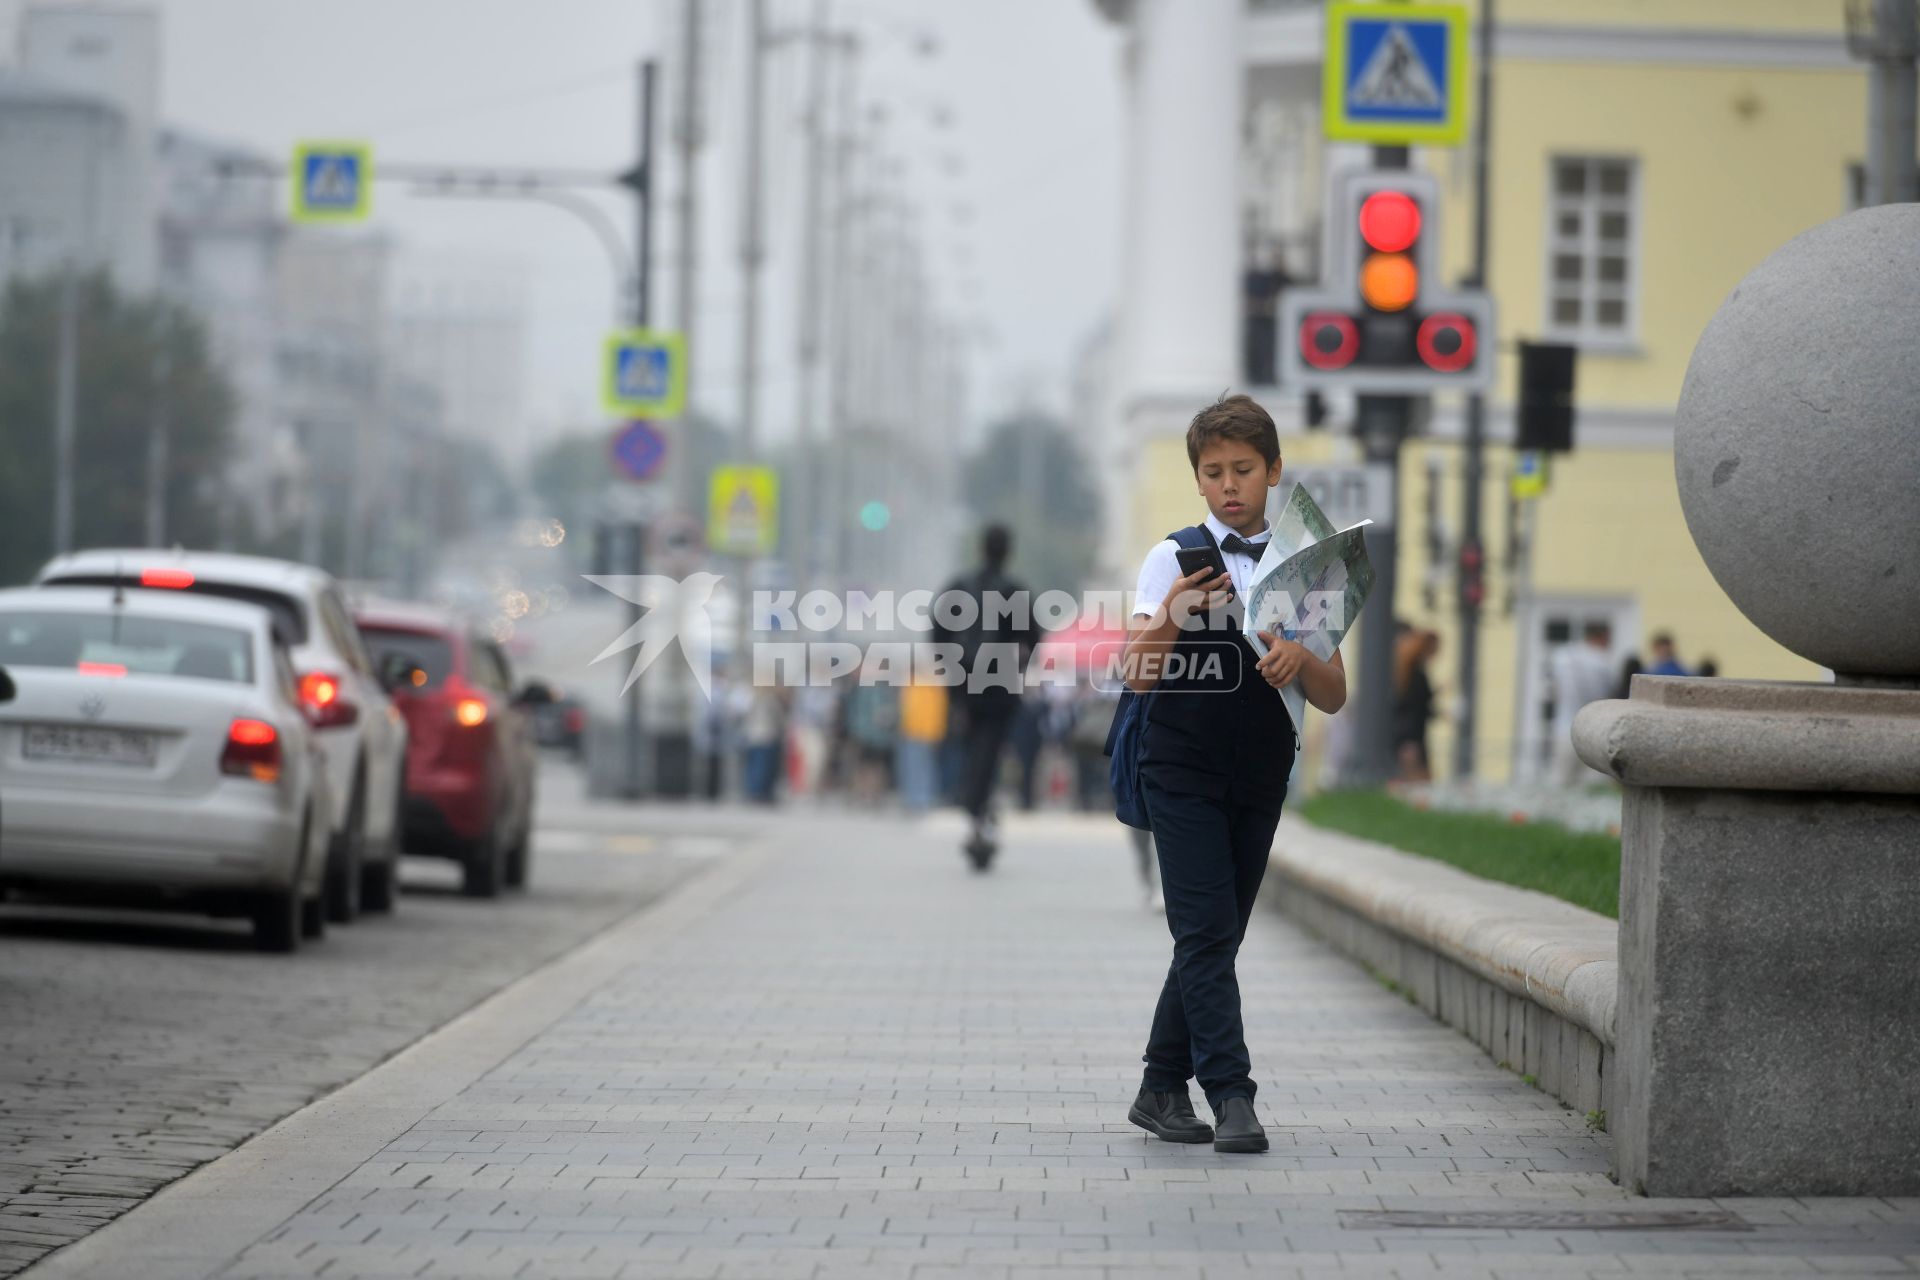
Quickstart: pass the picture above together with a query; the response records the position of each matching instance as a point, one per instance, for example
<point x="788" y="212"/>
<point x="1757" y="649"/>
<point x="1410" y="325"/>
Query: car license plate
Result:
<point x="88" y="746"/>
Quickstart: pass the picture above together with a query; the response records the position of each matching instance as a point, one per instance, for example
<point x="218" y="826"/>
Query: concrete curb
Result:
<point x="1538" y="947"/>
<point x="196" y="1226"/>
<point x="1531" y="979"/>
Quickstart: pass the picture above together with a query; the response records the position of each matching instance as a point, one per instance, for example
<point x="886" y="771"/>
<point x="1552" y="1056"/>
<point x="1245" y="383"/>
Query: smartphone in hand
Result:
<point x="1194" y="559"/>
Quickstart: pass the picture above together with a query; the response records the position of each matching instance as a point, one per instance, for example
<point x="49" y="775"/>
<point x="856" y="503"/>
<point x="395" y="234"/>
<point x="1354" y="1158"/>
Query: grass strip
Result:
<point x="1580" y="867"/>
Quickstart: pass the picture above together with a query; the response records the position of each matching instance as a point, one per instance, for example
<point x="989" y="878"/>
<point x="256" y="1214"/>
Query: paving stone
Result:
<point x="869" y="1064"/>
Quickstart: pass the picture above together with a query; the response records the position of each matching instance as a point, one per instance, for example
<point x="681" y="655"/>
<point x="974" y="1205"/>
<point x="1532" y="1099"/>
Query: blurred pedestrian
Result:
<point x="1087" y="740"/>
<point x="923" y="730"/>
<point x="873" y="727"/>
<point x="764" y="733"/>
<point x="1581" y="673"/>
<point x="1628" y="670"/>
<point x="1029" y="737"/>
<point x="1664" y="661"/>
<point x="713" y="732"/>
<point x="814" y="707"/>
<point x="999" y="637"/>
<point x="1413" y="703"/>
<point x="837" y="775"/>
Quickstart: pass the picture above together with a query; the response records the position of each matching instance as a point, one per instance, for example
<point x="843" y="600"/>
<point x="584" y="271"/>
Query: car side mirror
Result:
<point x="6" y="686"/>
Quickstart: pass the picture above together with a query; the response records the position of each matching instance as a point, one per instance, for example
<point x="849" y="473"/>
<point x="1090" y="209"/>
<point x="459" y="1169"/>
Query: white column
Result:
<point x="1179" y="334"/>
<point x="1183" y="241"/>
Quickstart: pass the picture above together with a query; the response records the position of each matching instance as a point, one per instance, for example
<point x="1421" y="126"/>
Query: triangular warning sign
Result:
<point x="743" y="506"/>
<point x="1395" y="76"/>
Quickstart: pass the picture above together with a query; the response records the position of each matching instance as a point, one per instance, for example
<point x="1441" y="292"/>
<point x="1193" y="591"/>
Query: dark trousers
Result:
<point x="1213" y="854"/>
<point x="989" y="720"/>
<point x="762" y="771"/>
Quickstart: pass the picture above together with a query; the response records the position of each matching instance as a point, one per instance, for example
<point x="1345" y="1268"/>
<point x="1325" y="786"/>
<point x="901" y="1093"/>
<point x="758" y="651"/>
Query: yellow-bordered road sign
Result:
<point x="743" y="511"/>
<point x="332" y="181"/>
<point x="645" y="373"/>
<point x="1530" y="474"/>
<point x="1395" y="74"/>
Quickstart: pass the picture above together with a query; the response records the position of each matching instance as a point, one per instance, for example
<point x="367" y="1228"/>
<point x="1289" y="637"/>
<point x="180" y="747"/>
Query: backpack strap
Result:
<point x="1193" y="536"/>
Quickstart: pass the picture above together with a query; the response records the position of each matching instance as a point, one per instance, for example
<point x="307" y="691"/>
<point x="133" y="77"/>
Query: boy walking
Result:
<point x="1217" y="748"/>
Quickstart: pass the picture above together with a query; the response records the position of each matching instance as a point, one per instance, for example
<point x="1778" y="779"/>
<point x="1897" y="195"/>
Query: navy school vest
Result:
<point x="1215" y="727"/>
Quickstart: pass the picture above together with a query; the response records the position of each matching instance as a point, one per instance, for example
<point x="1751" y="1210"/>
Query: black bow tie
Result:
<point x="1234" y="542"/>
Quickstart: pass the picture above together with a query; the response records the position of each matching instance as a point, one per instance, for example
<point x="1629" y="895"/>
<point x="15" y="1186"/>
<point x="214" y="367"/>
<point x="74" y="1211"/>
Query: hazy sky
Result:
<point x="1032" y="86"/>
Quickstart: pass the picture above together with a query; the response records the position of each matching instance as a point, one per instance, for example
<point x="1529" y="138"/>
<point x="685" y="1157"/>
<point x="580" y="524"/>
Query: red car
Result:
<point x="470" y="749"/>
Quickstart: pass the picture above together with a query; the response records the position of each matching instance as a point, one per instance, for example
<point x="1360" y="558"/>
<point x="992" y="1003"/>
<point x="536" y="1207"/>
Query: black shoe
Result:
<point x="1169" y="1117"/>
<point x="1239" y="1129"/>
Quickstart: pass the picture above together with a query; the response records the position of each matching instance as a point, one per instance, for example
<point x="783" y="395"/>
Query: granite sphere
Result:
<point x="1797" y="444"/>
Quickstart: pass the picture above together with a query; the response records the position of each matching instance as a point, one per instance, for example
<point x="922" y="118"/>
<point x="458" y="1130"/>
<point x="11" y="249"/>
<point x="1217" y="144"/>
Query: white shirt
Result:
<point x="1161" y="569"/>
<point x="1581" y="674"/>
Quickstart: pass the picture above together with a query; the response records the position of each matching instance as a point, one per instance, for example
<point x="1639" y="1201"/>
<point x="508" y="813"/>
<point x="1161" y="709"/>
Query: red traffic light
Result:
<point x="1329" y="340"/>
<point x="1446" y="341"/>
<point x="1390" y="221"/>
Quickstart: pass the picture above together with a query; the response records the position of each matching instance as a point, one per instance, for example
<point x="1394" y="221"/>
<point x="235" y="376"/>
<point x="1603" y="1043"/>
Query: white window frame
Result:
<point x="1589" y="334"/>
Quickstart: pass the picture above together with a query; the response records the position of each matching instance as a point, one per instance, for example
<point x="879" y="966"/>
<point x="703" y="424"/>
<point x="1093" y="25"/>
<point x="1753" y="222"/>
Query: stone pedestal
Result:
<point x="1769" y="1010"/>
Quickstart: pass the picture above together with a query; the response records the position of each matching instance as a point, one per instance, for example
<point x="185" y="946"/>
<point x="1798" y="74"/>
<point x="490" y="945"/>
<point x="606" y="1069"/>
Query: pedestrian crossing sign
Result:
<point x="743" y="511"/>
<point x="1395" y="74"/>
<point x="332" y="181"/>
<point x="645" y="373"/>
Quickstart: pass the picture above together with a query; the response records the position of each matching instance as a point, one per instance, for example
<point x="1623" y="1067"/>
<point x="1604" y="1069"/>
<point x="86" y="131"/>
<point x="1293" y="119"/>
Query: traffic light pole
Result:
<point x="1469" y="575"/>
<point x="1382" y="424"/>
<point x="641" y="180"/>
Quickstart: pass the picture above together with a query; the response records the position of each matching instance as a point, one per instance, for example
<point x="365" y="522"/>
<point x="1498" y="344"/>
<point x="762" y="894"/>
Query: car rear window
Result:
<point x="123" y="643"/>
<point x="289" y="619"/>
<point x="431" y="654"/>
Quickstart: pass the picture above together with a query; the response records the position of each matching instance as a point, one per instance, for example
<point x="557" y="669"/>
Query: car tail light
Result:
<point x="101" y="668"/>
<point x="576" y="719"/>
<point x="174" y="579"/>
<point x="253" y="751"/>
<point x="322" y="695"/>
<point x="470" y="712"/>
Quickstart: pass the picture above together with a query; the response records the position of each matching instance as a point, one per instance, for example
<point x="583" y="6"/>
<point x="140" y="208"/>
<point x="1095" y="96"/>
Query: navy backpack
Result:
<point x="1124" y="739"/>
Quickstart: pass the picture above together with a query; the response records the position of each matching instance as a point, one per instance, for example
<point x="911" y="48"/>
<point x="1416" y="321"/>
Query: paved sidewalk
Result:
<point x="844" y="1056"/>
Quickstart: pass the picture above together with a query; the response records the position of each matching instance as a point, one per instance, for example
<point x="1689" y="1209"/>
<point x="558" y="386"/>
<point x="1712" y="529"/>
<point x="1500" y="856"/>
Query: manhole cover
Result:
<point x="1545" y="1219"/>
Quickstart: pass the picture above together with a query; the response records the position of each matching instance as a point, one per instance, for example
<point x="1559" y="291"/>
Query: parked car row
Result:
<point x="222" y="733"/>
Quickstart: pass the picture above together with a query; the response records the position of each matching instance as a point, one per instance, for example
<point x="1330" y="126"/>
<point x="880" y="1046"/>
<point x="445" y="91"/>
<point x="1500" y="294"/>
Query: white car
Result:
<point x="155" y="752"/>
<point x="359" y="729"/>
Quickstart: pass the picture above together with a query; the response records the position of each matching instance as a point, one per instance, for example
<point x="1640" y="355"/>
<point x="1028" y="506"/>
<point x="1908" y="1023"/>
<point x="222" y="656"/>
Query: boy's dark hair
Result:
<point x="996" y="544"/>
<point x="1232" y="418"/>
<point x="1663" y="640"/>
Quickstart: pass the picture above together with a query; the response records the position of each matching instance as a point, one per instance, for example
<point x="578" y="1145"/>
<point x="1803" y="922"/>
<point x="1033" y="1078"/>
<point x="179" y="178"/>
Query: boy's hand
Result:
<point x="1198" y="592"/>
<point x="1282" y="661"/>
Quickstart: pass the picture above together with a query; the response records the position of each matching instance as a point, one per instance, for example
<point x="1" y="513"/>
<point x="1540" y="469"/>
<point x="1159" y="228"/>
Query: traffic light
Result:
<point x="1380" y="321"/>
<point x="1545" y="411"/>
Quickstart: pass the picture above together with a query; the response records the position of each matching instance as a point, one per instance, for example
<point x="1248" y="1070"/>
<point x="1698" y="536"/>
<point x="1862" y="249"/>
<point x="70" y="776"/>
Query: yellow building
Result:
<point x="1645" y="155"/>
